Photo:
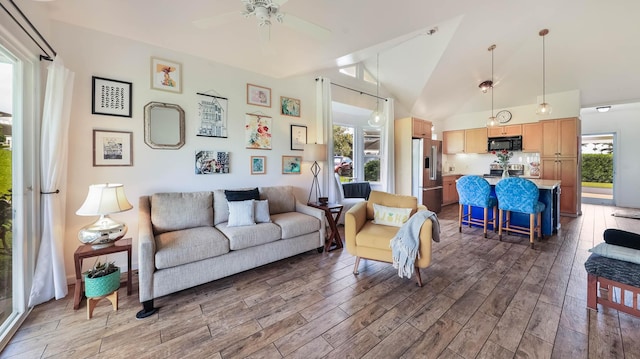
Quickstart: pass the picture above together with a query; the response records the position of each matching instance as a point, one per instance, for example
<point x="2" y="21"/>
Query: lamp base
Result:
<point x="102" y="233"/>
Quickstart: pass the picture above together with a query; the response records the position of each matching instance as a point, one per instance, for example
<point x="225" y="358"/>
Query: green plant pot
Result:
<point x="97" y="287"/>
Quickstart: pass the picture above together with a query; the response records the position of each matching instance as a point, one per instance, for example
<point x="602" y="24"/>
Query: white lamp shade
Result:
<point x="104" y="199"/>
<point x="315" y="152"/>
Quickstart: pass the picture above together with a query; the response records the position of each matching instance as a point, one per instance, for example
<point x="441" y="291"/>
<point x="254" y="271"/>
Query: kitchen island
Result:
<point x="549" y="195"/>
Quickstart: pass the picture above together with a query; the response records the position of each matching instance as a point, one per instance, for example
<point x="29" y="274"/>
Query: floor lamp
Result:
<point x="315" y="153"/>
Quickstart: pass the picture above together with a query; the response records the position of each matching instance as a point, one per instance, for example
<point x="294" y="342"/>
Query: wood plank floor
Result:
<point x="482" y="299"/>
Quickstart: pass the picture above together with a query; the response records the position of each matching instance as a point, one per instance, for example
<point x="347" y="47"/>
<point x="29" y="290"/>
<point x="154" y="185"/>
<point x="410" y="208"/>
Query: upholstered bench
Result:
<point x="613" y="283"/>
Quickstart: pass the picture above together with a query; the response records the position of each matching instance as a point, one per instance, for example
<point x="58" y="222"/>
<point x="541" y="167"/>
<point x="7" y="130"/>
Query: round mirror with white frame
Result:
<point x="163" y="126"/>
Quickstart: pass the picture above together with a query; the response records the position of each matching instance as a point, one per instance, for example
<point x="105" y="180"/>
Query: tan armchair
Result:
<point x="367" y="240"/>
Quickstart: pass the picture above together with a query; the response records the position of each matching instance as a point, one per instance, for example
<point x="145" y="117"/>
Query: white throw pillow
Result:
<point x="390" y="216"/>
<point x="261" y="211"/>
<point x="617" y="252"/>
<point x="241" y="213"/>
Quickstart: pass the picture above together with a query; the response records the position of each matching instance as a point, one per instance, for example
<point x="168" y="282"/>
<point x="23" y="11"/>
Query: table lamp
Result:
<point x="315" y="153"/>
<point x="102" y="200"/>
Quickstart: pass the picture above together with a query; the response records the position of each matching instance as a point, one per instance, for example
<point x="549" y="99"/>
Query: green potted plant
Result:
<point x="102" y="279"/>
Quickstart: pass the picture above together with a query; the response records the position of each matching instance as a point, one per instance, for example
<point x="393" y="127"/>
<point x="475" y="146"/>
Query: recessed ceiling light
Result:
<point x="603" y="108"/>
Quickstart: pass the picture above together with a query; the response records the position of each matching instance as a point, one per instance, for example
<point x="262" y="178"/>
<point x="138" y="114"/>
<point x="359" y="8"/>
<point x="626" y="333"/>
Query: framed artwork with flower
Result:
<point x="298" y="137"/>
<point x="258" y="165"/>
<point x="258" y="95"/>
<point x="289" y="106"/>
<point x="166" y="75"/>
<point x="257" y="132"/>
<point x="291" y="165"/>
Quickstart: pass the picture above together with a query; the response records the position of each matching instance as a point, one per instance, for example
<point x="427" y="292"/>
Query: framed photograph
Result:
<point x="166" y="75"/>
<point x="298" y="137"/>
<point x="291" y="165"/>
<point x="258" y="95"/>
<point x="110" y="97"/>
<point x="112" y="148"/>
<point x="258" y="165"/>
<point x="212" y="112"/>
<point x="289" y="106"/>
<point x="257" y="130"/>
<point x="211" y="162"/>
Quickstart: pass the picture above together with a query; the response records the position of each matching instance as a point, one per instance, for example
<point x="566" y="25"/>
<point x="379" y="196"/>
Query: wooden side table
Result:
<point x="332" y="212"/>
<point x="86" y="251"/>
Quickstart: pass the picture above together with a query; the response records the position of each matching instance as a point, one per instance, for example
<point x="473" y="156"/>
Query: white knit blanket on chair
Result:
<point x="405" y="244"/>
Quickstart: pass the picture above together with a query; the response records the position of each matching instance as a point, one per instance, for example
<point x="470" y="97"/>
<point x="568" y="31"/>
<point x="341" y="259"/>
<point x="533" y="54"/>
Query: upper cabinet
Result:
<point x="503" y="131"/>
<point x="421" y="128"/>
<point x="560" y="137"/>
<point x="475" y="140"/>
<point x="532" y="137"/>
<point x="464" y="141"/>
<point x="453" y="142"/>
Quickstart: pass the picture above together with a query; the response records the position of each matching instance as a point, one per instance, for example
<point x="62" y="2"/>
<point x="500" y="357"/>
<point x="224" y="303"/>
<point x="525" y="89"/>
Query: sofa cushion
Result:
<point x="242" y="195"/>
<point x="241" y="213"/>
<point x="261" y="211"/>
<point x="189" y="245"/>
<point x="375" y="236"/>
<point x="281" y="198"/>
<point x="250" y="236"/>
<point x="293" y="224"/>
<point x="181" y="210"/>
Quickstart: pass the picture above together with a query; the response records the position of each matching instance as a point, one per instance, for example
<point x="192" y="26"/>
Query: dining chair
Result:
<point x="516" y="194"/>
<point x="475" y="191"/>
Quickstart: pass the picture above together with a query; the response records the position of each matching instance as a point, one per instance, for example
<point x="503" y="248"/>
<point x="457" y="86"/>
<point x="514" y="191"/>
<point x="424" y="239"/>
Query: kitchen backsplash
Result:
<point x="478" y="164"/>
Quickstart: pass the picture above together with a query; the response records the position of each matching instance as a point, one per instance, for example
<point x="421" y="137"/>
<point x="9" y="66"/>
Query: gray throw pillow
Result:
<point x="261" y="211"/>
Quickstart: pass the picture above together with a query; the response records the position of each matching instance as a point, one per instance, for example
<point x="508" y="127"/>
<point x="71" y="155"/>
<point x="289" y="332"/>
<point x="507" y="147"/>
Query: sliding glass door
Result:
<point x="17" y="164"/>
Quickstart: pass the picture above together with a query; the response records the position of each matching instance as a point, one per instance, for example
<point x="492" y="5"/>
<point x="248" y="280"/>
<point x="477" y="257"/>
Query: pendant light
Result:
<point x="492" y="120"/>
<point x="544" y="108"/>
<point x="377" y="118"/>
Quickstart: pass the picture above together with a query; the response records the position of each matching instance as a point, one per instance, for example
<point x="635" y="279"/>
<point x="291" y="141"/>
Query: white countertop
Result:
<point x="541" y="183"/>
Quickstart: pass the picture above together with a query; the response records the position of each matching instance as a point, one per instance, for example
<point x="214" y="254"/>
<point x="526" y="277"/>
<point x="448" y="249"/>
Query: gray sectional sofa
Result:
<point x="184" y="239"/>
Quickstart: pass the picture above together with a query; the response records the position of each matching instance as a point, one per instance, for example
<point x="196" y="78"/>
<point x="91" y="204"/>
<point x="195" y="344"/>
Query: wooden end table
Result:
<point x="86" y="251"/>
<point x="332" y="212"/>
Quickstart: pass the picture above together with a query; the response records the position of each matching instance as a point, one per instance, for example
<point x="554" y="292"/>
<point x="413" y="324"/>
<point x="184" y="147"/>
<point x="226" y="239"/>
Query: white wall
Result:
<point x="89" y="53"/>
<point x="624" y="121"/>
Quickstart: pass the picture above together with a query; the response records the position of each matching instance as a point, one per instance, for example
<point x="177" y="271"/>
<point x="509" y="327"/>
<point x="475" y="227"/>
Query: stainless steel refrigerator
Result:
<point x="426" y="173"/>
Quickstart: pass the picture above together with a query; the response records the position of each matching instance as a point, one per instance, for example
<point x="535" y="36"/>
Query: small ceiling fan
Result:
<point x="266" y="12"/>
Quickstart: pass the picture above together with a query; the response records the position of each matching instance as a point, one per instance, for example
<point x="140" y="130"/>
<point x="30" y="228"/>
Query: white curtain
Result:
<point x="324" y="133"/>
<point x="49" y="279"/>
<point x="387" y="163"/>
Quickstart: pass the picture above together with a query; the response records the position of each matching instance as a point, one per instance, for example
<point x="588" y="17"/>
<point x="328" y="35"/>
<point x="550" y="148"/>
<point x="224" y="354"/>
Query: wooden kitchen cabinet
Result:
<point x="504" y="131"/>
<point x="421" y="128"/>
<point x="449" y="190"/>
<point x="475" y="140"/>
<point x="453" y="142"/>
<point x="560" y="137"/>
<point x="565" y="170"/>
<point x="532" y="137"/>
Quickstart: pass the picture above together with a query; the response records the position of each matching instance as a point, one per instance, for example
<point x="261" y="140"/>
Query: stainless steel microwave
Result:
<point x="513" y="143"/>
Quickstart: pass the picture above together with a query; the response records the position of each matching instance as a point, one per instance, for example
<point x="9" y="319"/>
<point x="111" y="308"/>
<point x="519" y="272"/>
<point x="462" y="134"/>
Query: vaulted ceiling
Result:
<point x="591" y="47"/>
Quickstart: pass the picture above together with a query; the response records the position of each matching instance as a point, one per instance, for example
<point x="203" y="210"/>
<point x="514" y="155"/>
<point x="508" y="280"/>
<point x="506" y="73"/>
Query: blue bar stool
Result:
<point x="475" y="191"/>
<point x="519" y="195"/>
